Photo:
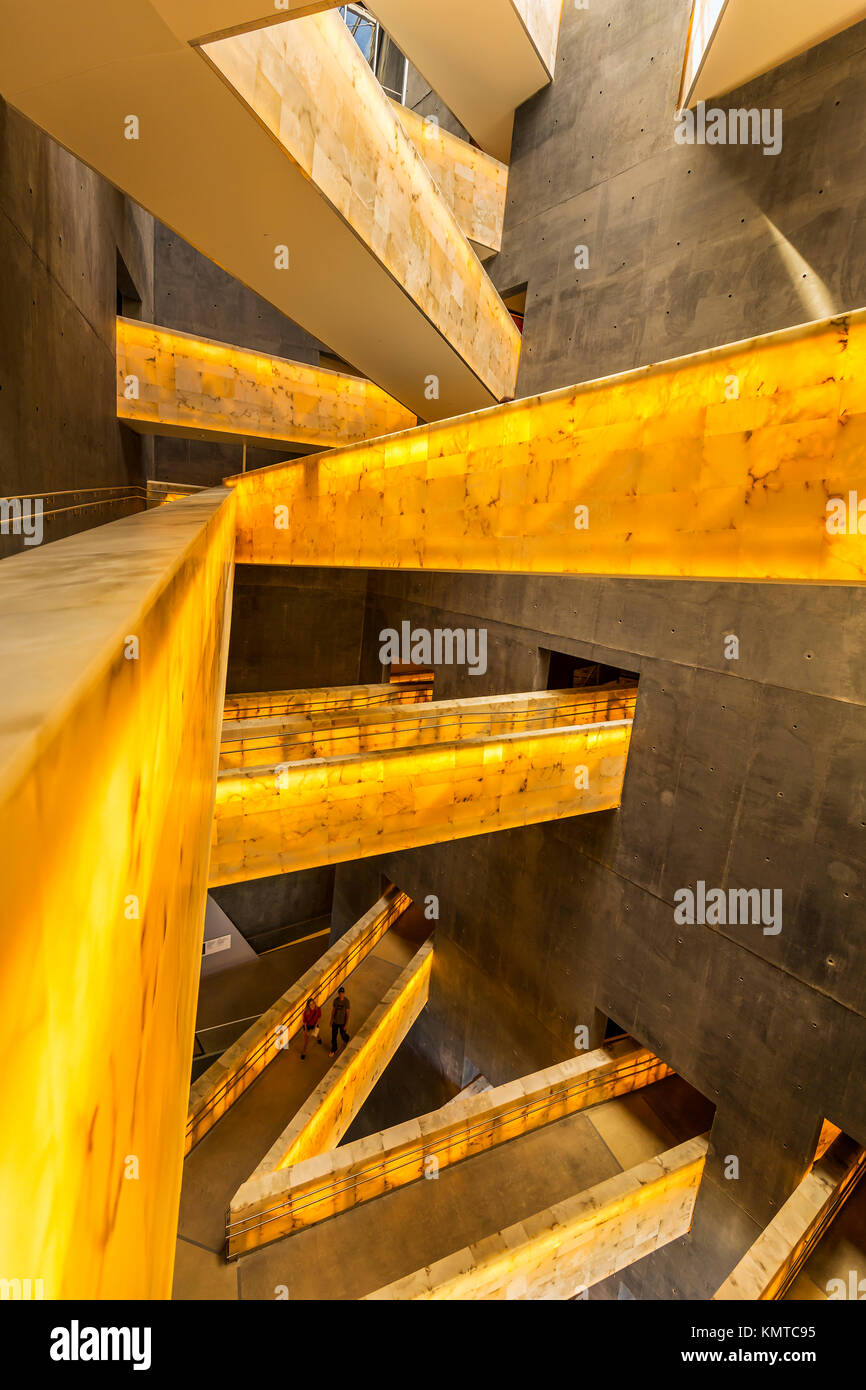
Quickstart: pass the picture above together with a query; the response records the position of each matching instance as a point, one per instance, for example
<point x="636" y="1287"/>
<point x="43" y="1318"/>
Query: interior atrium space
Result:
<point x="433" y="700"/>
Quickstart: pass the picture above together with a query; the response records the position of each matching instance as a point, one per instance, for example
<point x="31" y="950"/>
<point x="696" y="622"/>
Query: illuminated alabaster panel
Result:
<point x="175" y="384"/>
<point x="325" y="811"/>
<point x="337" y="222"/>
<point x="565" y="1249"/>
<point x="472" y="183"/>
<point x="114" y="648"/>
<point x="275" y="704"/>
<point x="225" y="1081"/>
<point x="311" y="87"/>
<point x="715" y="466"/>
<point x="274" y="1204"/>
<point x="256" y="742"/>
<point x="542" y="19"/>
<point x="770" y="1266"/>
<point x="324" y="1118"/>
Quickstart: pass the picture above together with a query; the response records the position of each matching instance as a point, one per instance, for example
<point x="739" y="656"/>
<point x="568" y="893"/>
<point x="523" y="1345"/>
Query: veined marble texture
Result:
<point x="256" y="741"/>
<point x="575" y="1244"/>
<point x="473" y="184"/>
<point x="325" y="811"/>
<point x="309" y="84"/>
<point x="274" y="704"/>
<point x="114" y="646"/>
<point x="195" y="387"/>
<point x="717" y="466"/>
<point x="275" y="1203"/>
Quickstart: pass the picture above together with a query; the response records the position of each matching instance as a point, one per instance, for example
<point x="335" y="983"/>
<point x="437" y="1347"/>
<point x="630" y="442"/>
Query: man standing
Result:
<point x="339" y="1019"/>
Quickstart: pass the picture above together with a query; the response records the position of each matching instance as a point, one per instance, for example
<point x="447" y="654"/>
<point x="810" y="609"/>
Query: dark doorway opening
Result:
<point x="566" y="672"/>
<point x="613" y="1030"/>
<point x="128" y="297"/>
<point x="515" y="302"/>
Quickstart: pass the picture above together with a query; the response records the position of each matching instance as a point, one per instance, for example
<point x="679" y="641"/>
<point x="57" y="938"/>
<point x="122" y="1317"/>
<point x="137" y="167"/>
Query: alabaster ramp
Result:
<point x="325" y="1116"/>
<point x="234" y="1072"/>
<point x="172" y="383"/>
<point x="328" y="810"/>
<point x="449" y="42"/>
<point x="472" y="183"/>
<point x="274" y="1203"/>
<point x="562" y="1251"/>
<point x="771" y="1265"/>
<point x="717" y="466"/>
<point x="257" y="742"/>
<point x="114" y="646"/>
<point x="277" y="155"/>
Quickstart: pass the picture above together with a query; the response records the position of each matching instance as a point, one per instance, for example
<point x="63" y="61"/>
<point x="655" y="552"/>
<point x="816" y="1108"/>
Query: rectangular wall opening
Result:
<point x="567" y="672"/>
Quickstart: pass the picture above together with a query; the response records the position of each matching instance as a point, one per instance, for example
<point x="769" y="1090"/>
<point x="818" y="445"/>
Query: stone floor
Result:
<point x="382" y="1240"/>
<point x="229" y="1153"/>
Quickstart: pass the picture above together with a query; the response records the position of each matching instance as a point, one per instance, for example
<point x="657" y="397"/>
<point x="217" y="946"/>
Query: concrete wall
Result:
<point x="743" y="773"/>
<point x="275" y="911"/>
<point x="295" y="628"/>
<point x="690" y="246"/>
<point x="193" y="295"/>
<point x="61" y="226"/>
<point x="291" y="629"/>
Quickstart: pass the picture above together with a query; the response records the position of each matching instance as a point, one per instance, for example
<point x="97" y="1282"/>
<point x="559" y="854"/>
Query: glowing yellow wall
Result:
<point x="324" y="1118"/>
<point x="107" y="771"/>
<point x="311" y="87"/>
<point x="560" y="1252"/>
<point x="677" y="478"/>
<point x="329" y="810"/>
<point x="274" y="704"/>
<point x="264" y="742"/>
<point x="175" y="384"/>
<point x="229" y="1076"/>
<point x="271" y="1205"/>
<point x="472" y="183"/>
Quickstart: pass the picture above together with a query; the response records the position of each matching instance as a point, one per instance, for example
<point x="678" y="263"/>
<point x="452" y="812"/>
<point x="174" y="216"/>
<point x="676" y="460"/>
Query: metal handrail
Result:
<point x="388" y="917"/>
<point x="287" y="711"/>
<point x="837" y="1200"/>
<point x="292" y="1202"/>
<point x="419" y="725"/>
<point x="427" y="719"/>
<point x="327" y="705"/>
